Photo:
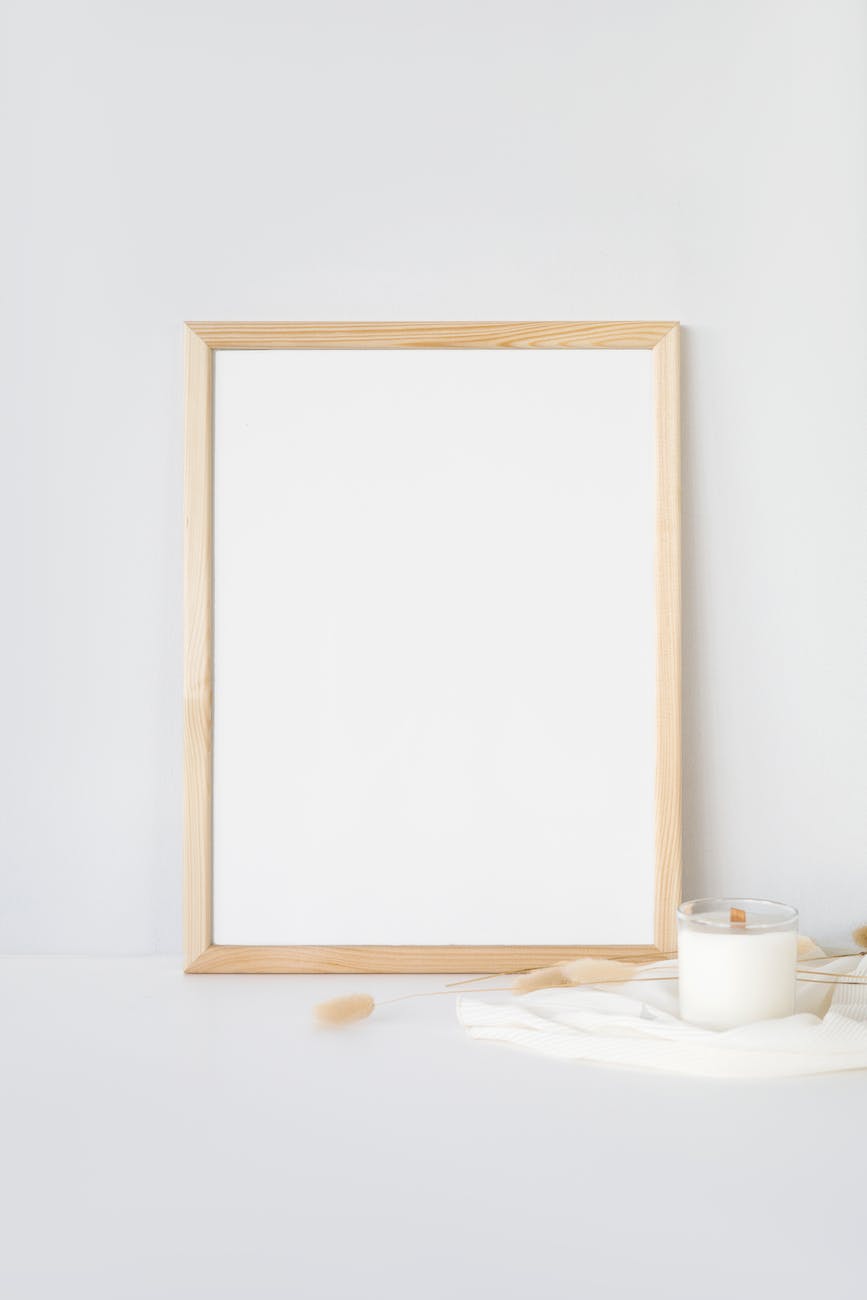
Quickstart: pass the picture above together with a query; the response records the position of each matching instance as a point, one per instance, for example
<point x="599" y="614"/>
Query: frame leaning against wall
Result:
<point x="202" y="340"/>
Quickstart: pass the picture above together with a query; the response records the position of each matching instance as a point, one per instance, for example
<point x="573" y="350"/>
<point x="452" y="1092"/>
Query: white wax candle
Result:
<point x="733" y="973"/>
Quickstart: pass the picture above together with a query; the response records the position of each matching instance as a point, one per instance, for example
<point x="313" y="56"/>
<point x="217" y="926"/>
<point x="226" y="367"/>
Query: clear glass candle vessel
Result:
<point x="736" y="961"/>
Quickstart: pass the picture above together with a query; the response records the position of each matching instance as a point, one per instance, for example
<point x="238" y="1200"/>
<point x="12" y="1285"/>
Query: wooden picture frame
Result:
<point x="201" y="341"/>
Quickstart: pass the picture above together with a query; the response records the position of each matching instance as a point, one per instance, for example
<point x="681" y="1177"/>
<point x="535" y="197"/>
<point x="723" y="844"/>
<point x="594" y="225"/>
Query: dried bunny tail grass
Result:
<point x="566" y="974"/>
<point x="597" y="970"/>
<point x="358" y="1006"/>
<point x="808" y="947"/>
<point x="343" y="1011"/>
<point x="859" y="936"/>
<point x="548" y="977"/>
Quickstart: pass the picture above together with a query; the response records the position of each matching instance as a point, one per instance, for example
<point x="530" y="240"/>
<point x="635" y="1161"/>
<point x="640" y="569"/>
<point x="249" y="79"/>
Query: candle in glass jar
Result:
<point x="736" y="961"/>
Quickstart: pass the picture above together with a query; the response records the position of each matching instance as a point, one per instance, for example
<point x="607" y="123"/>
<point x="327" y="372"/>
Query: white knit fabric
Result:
<point x="636" y="1024"/>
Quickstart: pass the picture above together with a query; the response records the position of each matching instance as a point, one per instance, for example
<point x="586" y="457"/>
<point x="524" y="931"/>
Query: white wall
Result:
<point x="398" y="159"/>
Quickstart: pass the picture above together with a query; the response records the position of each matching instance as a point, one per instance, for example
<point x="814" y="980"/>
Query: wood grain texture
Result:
<point x="666" y="396"/>
<point x="227" y="959"/>
<point x="430" y="334"/>
<point x="198" y="644"/>
<point x="202" y="338"/>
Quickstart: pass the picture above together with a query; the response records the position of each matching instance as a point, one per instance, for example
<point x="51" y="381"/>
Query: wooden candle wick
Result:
<point x="737" y="917"/>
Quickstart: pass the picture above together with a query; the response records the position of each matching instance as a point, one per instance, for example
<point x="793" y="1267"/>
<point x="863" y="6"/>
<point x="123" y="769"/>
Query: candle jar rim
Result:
<point x="763" y="914"/>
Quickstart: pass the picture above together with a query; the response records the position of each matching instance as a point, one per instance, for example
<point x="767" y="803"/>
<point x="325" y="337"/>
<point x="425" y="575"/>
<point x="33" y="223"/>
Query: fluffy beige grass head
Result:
<point x="548" y="977"/>
<point x="567" y="974"/>
<point x="597" y="970"/>
<point x="859" y="936"/>
<point x="808" y="947"/>
<point x="343" y="1011"/>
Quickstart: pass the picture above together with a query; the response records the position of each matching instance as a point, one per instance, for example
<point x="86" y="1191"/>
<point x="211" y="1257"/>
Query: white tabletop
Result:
<point x="173" y="1136"/>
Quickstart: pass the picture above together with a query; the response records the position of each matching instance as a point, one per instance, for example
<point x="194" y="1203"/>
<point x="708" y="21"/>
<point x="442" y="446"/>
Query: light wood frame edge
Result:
<point x="198" y="645"/>
<point x="668" y="794"/>
<point x="201" y="340"/>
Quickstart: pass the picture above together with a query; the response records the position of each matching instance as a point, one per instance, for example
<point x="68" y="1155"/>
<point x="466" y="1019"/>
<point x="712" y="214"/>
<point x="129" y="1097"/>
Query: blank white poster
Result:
<point x="434" y="647"/>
